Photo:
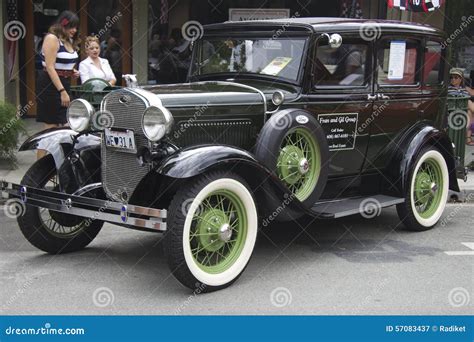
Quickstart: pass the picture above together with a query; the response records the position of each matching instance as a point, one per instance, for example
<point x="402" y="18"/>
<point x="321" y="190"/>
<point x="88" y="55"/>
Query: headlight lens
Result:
<point x="156" y="122"/>
<point x="79" y="114"/>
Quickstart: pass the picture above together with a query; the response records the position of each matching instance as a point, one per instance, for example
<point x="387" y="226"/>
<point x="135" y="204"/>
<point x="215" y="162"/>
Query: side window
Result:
<point x="433" y="74"/>
<point x="345" y="66"/>
<point x="397" y="62"/>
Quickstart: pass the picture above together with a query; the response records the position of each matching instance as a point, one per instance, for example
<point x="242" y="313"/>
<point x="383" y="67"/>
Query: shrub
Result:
<point x="11" y="126"/>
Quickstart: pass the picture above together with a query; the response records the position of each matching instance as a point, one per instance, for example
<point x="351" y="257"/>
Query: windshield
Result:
<point x="267" y="56"/>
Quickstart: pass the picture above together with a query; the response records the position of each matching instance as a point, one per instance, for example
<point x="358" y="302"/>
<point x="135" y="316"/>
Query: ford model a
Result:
<point x="280" y="119"/>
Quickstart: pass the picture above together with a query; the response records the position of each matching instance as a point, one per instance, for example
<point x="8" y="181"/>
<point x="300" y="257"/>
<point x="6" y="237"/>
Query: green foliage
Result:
<point x="11" y="126"/>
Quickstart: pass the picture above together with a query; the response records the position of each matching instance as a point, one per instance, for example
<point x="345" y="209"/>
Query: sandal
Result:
<point x="469" y="141"/>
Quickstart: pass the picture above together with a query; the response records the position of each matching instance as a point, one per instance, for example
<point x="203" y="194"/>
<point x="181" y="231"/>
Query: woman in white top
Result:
<point x="94" y="66"/>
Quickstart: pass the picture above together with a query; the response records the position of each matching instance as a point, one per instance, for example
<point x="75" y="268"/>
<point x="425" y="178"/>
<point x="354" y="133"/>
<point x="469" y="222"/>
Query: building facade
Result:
<point x="137" y="36"/>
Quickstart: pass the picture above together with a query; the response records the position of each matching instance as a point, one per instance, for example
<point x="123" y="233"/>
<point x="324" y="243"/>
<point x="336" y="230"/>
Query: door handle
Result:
<point x="383" y="97"/>
<point x="371" y="97"/>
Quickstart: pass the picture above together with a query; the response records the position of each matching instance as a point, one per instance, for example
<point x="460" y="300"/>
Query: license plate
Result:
<point x="123" y="140"/>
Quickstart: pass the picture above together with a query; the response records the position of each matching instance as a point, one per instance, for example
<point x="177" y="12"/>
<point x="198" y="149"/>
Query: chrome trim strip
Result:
<point x="109" y="211"/>
<point x="87" y="188"/>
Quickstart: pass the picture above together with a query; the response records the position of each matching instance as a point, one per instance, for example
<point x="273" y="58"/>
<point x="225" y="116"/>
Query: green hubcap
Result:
<point x="428" y="188"/>
<point x="299" y="162"/>
<point x="218" y="231"/>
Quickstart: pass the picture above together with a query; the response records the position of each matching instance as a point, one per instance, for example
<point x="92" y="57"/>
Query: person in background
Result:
<point x="58" y="58"/>
<point x="458" y="85"/>
<point x="113" y="53"/>
<point x="94" y="66"/>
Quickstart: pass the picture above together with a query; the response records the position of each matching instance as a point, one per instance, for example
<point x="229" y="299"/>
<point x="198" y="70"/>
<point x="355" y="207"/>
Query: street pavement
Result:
<point x="347" y="266"/>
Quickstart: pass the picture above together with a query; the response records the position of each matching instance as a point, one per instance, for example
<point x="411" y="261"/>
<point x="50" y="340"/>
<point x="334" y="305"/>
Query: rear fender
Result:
<point x="409" y="146"/>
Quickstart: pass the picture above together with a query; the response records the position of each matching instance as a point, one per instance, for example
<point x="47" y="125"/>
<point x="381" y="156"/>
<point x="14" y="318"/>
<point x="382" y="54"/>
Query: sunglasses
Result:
<point x="455" y="76"/>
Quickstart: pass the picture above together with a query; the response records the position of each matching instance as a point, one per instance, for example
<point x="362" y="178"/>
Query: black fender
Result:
<point x="59" y="142"/>
<point x="193" y="161"/>
<point x="407" y="147"/>
<point x="80" y="168"/>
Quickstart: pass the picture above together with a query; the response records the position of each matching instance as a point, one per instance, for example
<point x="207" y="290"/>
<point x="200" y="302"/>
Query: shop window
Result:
<point x="397" y="63"/>
<point x="345" y="66"/>
<point x="432" y="74"/>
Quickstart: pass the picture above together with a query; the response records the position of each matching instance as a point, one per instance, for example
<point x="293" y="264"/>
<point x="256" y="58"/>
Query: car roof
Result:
<point x="324" y="24"/>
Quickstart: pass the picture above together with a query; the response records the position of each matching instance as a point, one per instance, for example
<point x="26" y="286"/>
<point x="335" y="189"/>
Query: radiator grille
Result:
<point x="120" y="171"/>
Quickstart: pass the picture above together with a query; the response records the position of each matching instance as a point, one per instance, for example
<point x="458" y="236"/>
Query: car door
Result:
<point x="397" y="95"/>
<point x="338" y="98"/>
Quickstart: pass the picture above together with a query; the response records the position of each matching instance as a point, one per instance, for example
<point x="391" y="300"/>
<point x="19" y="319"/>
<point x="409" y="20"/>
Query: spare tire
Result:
<point x="293" y="145"/>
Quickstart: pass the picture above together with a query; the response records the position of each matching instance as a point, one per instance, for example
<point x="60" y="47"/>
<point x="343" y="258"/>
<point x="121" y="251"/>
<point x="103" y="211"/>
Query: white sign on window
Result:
<point x="240" y="14"/>
<point x="396" y="63"/>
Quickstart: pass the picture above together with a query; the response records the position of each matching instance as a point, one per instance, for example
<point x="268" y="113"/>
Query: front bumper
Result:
<point x="96" y="209"/>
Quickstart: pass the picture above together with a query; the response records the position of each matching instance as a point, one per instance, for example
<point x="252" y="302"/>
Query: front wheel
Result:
<point x="48" y="230"/>
<point x="427" y="191"/>
<point x="212" y="229"/>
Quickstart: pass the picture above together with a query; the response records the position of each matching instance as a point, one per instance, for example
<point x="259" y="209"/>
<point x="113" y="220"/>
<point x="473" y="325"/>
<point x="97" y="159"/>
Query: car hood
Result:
<point x="207" y="93"/>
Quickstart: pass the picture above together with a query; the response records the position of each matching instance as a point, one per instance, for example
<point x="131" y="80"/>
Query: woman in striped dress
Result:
<point x="59" y="58"/>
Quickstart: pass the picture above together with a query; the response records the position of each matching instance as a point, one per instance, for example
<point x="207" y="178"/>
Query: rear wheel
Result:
<point x="212" y="229"/>
<point x="48" y="230"/>
<point x="427" y="191"/>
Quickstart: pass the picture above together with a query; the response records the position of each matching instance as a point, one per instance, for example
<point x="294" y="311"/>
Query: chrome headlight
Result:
<point x="79" y="114"/>
<point x="156" y="122"/>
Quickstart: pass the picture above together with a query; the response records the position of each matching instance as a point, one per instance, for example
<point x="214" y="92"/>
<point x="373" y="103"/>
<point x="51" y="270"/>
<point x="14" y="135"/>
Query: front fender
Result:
<point x="193" y="161"/>
<point x="408" y="147"/>
<point x="270" y="193"/>
<point x="58" y="142"/>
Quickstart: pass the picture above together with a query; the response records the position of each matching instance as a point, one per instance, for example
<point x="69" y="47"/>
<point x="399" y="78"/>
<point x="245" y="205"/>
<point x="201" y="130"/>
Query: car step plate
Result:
<point x="354" y="205"/>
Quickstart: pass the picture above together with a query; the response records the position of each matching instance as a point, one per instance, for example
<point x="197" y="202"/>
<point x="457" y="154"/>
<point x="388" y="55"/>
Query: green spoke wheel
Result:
<point x="299" y="162"/>
<point x="427" y="192"/>
<point x="209" y="243"/>
<point x="428" y="188"/>
<point x="218" y="231"/>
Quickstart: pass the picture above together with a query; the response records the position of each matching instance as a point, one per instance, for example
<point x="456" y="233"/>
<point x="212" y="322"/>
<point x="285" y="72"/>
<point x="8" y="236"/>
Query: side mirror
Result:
<point x="335" y="40"/>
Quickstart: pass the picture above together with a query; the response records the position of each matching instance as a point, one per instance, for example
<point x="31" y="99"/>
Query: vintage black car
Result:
<point x="325" y="117"/>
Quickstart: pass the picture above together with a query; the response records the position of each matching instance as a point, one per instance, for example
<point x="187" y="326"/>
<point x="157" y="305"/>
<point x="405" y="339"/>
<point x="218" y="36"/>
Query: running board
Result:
<point x="354" y="205"/>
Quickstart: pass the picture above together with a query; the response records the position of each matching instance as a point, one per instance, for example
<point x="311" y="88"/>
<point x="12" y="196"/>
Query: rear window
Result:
<point x="432" y="73"/>
<point x="397" y="62"/>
